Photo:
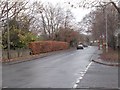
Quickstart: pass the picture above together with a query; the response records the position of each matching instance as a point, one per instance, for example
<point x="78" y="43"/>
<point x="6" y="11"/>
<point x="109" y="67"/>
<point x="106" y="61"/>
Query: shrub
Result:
<point x="38" y="47"/>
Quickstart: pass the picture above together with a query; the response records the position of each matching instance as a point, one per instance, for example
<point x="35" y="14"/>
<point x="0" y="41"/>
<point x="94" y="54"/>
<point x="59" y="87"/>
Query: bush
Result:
<point x="38" y="47"/>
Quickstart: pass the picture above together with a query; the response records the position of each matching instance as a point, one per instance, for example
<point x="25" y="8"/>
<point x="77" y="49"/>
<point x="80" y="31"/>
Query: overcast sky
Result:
<point x="78" y="13"/>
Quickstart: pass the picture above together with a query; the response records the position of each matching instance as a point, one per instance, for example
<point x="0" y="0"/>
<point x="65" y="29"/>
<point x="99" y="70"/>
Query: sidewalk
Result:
<point x="100" y="75"/>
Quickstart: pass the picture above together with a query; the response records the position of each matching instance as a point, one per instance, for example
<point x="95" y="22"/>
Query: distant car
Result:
<point x="84" y="45"/>
<point x="80" y="46"/>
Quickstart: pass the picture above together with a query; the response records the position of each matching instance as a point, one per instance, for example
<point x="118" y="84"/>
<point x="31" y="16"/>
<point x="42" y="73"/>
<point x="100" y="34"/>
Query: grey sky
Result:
<point x="78" y="13"/>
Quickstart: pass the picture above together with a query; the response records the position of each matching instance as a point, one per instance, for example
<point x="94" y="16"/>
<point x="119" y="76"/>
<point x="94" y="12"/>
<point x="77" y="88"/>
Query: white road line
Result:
<point x="88" y="65"/>
<point x="85" y="70"/>
<point x="77" y="81"/>
<point x="81" y="77"/>
<point x="5" y="87"/>
<point x="82" y="72"/>
<point x="75" y="86"/>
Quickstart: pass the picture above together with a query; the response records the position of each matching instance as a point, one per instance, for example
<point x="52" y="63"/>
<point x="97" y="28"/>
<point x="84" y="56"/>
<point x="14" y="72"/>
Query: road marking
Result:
<point x="82" y="74"/>
<point x="5" y="87"/>
<point x="80" y="78"/>
<point x="85" y="70"/>
<point x="75" y="86"/>
<point x="77" y="81"/>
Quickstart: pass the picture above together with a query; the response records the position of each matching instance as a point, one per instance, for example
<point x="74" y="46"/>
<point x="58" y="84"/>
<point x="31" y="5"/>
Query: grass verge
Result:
<point x="110" y="56"/>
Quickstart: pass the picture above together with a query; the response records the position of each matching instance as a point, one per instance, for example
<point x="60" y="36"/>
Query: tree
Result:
<point x="98" y="24"/>
<point x="19" y="38"/>
<point x="51" y="18"/>
<point x="87" y="22"/>
<point x="14" y="8"/>
<point x="68" y="18"/>
<point x="20" y="19"/>
<point x="68" y="35"/>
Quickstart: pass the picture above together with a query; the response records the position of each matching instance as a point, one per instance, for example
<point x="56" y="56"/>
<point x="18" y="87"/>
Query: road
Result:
<point x="55" y="71"/>
<point x="100" y="77"/>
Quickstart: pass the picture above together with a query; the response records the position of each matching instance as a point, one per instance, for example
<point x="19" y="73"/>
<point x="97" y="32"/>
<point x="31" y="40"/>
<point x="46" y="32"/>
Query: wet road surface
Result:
<point x="100" y="77"/>
<point x="56" y="71"/>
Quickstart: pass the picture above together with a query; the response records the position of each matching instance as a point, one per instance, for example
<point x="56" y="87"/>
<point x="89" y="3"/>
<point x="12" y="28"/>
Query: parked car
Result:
<point x="80" y="46"/>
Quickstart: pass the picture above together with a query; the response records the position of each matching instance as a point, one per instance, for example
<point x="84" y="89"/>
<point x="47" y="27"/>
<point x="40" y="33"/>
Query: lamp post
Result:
<point x="118" y="36"/>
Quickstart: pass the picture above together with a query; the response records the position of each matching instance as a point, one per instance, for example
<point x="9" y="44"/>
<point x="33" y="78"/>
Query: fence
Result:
<point x="15" y="53"/>
<point x="35" y="48"/>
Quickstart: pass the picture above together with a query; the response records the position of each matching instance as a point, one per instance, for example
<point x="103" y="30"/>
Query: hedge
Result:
<point x="38" y="47"/>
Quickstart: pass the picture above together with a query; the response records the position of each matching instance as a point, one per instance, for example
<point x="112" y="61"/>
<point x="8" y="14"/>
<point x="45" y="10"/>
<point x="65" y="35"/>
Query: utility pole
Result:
<point x="118" y="9"/>
<point x="8" y="34"/>
<point x="106" y="26"/>
<point x="118" y="36"/>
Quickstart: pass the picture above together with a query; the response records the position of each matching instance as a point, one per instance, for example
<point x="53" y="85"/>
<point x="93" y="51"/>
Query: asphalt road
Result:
<point x="100" y="77"/>
<point x="55" y="71"/>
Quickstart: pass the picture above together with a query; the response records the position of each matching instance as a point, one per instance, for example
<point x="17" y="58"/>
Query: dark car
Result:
<point x="84" y="45"/>
<point x="80" y="46"/>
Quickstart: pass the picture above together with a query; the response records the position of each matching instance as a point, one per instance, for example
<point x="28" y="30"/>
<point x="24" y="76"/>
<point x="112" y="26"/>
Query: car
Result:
<point x="84" y="45"/>
<point x="80" y="46"/>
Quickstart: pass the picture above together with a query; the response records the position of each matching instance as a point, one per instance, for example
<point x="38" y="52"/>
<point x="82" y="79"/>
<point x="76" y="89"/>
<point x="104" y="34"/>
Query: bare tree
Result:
<point x="98" y="24"/>
<point x="50" y="18"/>
<point x="68" y="18"/>
<point x="14" y="8"/>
